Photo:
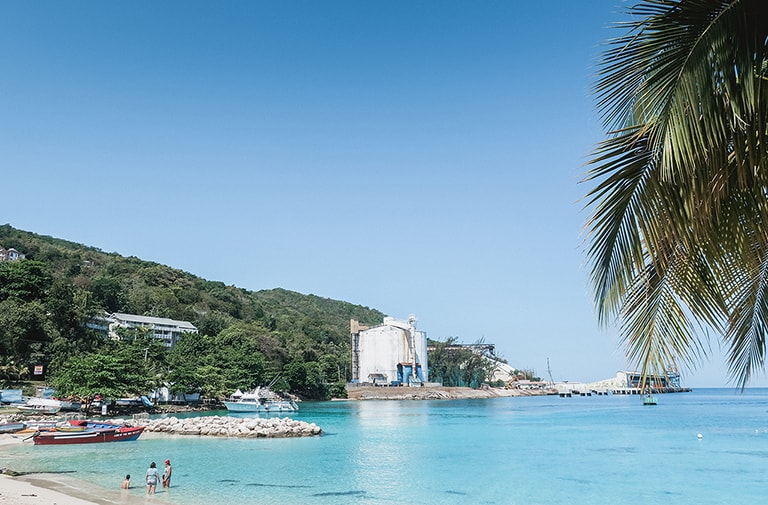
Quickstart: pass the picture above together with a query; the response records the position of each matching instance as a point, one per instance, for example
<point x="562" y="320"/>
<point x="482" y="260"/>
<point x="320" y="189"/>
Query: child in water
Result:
<point x="167" y="473"/>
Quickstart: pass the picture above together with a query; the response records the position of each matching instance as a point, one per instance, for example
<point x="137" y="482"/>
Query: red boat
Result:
<point x="108" y="433"/>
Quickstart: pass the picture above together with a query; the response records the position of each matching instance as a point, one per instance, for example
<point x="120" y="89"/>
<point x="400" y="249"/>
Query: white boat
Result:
<point x="41" y="406"/>
<point x="262" y="399"/>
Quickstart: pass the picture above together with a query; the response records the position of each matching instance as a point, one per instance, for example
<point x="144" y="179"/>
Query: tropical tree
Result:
<point x="191" y="354"/>
<point x="678" y="232"/>
<point x="455" y="364"/>
<point x="113" y="373"/>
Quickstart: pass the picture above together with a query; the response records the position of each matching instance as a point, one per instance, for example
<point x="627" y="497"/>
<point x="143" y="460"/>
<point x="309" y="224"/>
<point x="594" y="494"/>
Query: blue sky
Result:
<point x="411" y="156"/>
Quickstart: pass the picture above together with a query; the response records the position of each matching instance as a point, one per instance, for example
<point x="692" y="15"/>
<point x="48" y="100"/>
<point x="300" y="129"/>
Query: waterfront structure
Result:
<point x="392" y="353"/>
<point x="634" y="380"/>
<point x="630" y="382"/>
<point x="167" y="330"/>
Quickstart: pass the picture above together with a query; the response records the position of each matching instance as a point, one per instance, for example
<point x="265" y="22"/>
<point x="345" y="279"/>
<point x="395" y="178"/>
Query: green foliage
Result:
<point x="456" y="365"/>
<point x="114" y="372"/>
<point x="338" y="390"/>
<point x="246" y="338"/>
<point x="25" y="330"/>
<point x="305" y="379"/>
<point x="527" y="374"/>
<point x="25" y="281"/>
<point x="677" y="234"/>
<point x="11" y="373"/>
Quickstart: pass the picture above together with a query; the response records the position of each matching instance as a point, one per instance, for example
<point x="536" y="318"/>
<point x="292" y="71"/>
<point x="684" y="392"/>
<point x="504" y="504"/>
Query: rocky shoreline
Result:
<point x="212" y="426"/>
<point x="223" y="426"/>
<point x="438" y="393"/>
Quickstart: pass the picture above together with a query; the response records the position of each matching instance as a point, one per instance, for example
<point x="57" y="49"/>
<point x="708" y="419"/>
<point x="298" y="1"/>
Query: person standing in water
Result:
<point x="152" y="476"/>
<point x="167" y="473"/>
<point x="126" y="483"/>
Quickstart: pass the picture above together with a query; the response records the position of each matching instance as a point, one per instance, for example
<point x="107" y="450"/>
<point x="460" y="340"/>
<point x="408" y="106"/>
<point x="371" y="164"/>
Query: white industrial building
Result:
<point x="392" y="353"/>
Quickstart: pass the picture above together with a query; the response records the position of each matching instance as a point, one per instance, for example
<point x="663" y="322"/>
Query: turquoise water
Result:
<point x="533" y="450"/>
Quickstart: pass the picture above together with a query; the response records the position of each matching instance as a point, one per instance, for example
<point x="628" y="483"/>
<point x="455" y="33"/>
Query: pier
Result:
<point x="638" y="391"/>
<point x="582" y="392"/>
<point x="619" y="391"/>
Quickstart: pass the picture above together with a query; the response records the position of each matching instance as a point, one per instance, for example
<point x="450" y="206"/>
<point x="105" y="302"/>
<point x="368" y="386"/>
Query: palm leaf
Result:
<point x="677" y="232"/>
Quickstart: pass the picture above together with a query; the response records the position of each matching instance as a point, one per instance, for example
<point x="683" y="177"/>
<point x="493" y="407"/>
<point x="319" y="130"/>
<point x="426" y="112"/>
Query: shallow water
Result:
<point x="531" y="450"/>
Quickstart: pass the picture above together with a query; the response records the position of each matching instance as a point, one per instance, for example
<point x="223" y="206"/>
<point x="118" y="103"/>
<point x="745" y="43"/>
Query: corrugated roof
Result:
<point x="153" y="320"/>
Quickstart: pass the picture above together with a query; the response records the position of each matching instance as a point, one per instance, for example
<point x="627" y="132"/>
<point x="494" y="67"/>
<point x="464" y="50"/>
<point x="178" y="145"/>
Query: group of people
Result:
<point x="152" y="476"/>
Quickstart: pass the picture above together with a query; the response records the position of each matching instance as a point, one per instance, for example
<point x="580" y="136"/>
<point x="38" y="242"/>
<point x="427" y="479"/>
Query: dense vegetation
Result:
<point x="245" y="338"/>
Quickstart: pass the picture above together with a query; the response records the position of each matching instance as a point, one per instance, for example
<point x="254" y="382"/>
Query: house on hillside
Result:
<point x="10" y="254"/>
<point x="392" y="353"/>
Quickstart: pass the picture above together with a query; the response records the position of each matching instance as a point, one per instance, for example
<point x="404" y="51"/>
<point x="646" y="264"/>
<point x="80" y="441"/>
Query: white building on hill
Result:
<point x="10" y="254"/>
<point x="389" y="354"/>
<point x="167" y="330"/>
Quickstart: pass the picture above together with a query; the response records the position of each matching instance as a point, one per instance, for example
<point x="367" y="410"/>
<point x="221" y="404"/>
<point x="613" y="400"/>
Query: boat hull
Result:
<point x="247" y="406"/>
<point x="40" y="409"/>
<point x="92" y="436"/>
<point x="12" y="427"/>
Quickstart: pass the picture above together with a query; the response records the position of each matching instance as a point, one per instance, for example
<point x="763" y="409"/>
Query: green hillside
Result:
<point x="47" y="299"/>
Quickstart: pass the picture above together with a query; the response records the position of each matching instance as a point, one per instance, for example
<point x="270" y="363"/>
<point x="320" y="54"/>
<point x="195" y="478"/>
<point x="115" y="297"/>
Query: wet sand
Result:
<point x="51" y="489"/>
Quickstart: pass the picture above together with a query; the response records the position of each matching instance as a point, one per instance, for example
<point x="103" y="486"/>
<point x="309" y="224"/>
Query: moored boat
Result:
<point x="262" y="399"/>
<point x="89" y="435"/>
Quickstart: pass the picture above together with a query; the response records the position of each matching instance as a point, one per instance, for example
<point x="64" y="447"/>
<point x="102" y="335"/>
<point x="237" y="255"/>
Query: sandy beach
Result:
<point x="54" y="489"/>
<point x="60" y="489"/>
<point x="32" y="490"/>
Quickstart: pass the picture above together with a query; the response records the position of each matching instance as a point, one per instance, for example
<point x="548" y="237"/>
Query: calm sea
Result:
<point x="533" y="450"/>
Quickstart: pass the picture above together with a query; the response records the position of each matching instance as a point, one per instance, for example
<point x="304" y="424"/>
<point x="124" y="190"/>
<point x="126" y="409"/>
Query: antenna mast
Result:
<point x="549" y="371"/>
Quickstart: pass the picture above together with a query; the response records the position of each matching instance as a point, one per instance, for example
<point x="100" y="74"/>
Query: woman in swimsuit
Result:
<point x="167" y="473"/>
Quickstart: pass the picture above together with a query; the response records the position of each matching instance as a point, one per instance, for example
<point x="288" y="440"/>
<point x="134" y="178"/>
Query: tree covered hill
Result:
<point x="46" y="299"/>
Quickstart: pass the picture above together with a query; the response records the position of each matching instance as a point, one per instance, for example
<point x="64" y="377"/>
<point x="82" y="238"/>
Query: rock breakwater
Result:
<point x="223" y="426"/>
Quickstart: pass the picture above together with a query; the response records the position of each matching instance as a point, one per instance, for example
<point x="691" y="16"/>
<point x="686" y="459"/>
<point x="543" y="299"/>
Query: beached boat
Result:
<point x="262" y="399"/>
<point x="12" y="427"/>
<point x="70" y="405"/>
<point x="40" y="409"/>
<point x="92" y="425"/>
<point x="89" y="434"/>
<point x="41" y="406"/>
<point x="31" y="427"/>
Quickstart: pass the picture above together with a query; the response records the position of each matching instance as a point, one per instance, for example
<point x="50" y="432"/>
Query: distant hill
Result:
<point x="304" y="325"/>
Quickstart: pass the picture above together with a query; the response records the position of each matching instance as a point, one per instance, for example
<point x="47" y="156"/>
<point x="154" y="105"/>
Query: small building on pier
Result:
<point x="631" y="383"/>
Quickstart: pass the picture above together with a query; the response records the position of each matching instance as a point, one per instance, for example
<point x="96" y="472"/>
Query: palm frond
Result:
<point x="678" y="233"/>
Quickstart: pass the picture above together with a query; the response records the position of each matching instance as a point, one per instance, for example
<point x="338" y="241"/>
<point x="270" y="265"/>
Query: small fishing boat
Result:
<point x="41" y="406"/>
<point x="95" y="433"/>
<point x="92" y="425"/>
<point x="39" y="409"/>
<point x="262" y="399"/>
<point x="12" y="427"/>
<point x="649" y="399"/>
<point x="31" y="427"/>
